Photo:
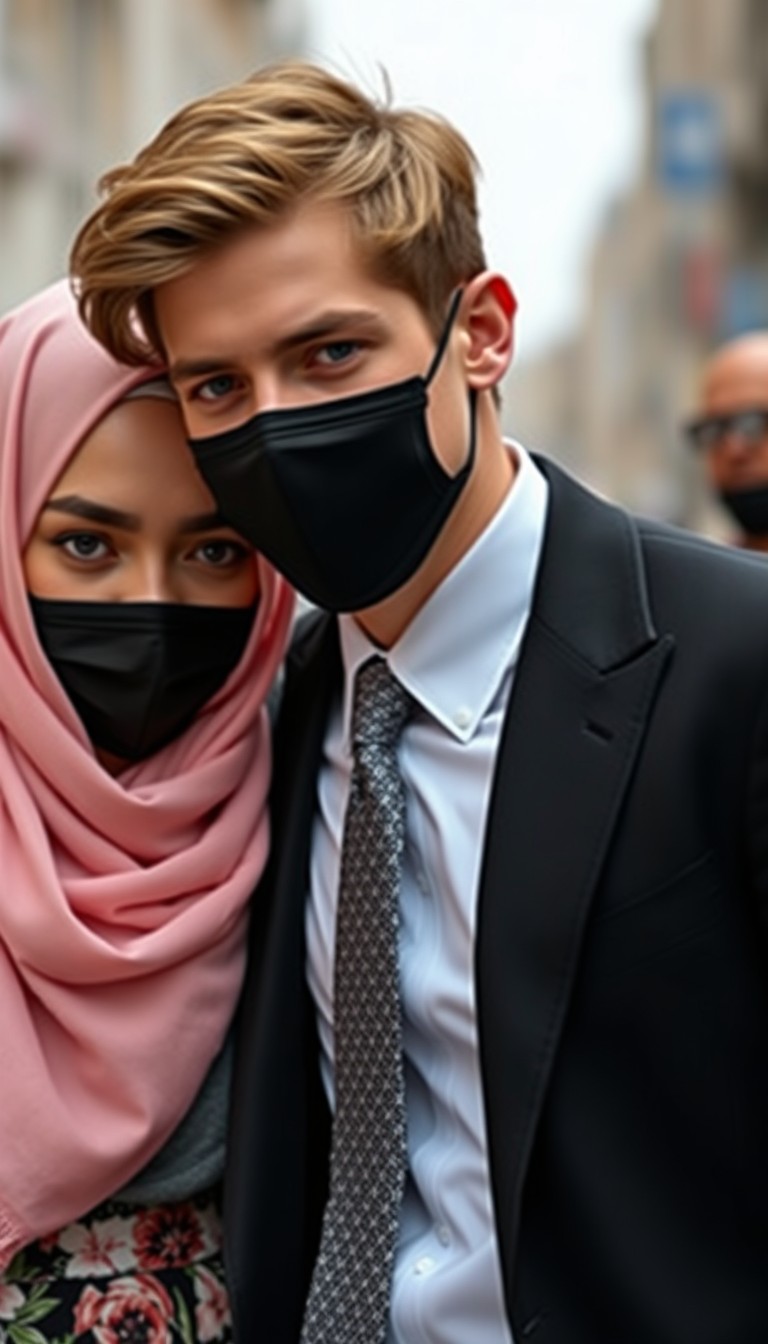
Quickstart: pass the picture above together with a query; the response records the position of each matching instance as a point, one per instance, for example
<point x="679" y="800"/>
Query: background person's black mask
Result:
<point x="138" y="672"/>
<point x="749" y="507"/>
<point x="345" y="497"/>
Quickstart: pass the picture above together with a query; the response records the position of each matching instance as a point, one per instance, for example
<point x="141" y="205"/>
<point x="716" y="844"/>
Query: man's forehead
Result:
<point x="745" y="356"/>
<point x="742" y="363"/>
<point x="269" y="284"/>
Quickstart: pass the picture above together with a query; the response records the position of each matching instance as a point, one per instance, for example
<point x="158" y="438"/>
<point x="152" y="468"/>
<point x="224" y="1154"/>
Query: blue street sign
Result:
<point x="745" y="301"/>
<point x="689" y="140"/>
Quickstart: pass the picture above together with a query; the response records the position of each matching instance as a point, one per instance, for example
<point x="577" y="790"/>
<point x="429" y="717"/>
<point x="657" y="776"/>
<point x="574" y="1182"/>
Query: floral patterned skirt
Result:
<point x="122" y="1275"/>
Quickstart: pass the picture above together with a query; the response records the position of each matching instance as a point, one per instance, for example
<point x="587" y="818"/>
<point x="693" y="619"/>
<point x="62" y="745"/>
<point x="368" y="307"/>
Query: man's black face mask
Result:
<point x="346" y="497"/>
<point x="138" y="672"/>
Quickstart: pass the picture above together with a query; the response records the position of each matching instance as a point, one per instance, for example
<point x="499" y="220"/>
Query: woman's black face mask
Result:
<point x="346" y="497"/>
<point x="138" y="672"/>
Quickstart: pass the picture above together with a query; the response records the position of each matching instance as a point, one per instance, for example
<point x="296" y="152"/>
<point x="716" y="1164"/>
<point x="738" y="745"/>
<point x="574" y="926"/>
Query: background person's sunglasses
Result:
<point x="708" y="431"/>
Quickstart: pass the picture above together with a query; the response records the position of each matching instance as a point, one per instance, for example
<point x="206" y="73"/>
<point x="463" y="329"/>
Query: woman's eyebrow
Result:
<point x="202" y="522"/>
<point x="89" y="509"/>
<point x="93" y="512"/>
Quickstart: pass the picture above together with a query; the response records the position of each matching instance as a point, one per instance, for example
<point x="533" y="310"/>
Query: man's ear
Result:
<point x="487" y="314"/>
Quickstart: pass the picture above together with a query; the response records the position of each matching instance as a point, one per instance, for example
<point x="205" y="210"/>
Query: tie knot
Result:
<point x="382" y="706"/>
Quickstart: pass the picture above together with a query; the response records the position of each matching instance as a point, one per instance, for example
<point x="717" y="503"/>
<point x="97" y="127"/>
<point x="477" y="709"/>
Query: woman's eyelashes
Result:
<point x="84" y="547"/>
<point x="221" y="553"/>
<point x="93" y="550"/>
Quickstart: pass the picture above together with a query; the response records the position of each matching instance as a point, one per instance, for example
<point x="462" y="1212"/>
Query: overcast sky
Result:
<point x="548" y="92"/>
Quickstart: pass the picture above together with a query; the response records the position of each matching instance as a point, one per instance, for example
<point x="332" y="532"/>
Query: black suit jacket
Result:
<point x="620" y="959"/>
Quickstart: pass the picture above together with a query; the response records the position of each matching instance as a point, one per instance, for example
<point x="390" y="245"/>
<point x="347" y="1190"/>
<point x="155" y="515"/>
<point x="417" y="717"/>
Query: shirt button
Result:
<point x="443" y="1235"/>
<point x="423" y="1265"/>
<point x="462" y="717"/>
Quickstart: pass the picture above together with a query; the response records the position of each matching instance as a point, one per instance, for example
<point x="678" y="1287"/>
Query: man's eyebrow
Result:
<point x="93" y="512"/>
<point x="329" y="322"/>
<point x="325" y="324"/>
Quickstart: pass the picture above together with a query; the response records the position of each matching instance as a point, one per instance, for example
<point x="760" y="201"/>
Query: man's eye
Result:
<point x="752" y="425"/>
<point x="336" y="352"/>
<point x="83" y="546"/>
<point x="215" y="388"/>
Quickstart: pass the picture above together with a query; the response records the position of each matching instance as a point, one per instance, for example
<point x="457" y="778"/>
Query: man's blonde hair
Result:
<point x="245" y="156"/>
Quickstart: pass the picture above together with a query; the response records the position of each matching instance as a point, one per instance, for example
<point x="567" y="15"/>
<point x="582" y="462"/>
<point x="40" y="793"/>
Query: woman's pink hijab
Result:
<point x="122" y="901"/>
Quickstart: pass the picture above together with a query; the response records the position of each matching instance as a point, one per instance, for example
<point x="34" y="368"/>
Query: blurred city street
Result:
<point x="672" y="247"/>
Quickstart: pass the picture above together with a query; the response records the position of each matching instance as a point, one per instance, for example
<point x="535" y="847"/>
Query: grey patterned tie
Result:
<point x="348" y="1300"/>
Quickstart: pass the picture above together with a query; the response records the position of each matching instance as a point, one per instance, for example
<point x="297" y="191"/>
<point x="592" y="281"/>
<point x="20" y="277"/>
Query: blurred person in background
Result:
<point x="730" y="431"/>
<point x="139" y="635"/>
<point x="501" y="1072"/>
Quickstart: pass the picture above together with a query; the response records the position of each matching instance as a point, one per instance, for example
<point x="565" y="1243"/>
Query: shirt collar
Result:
<point x="455" y="652"/>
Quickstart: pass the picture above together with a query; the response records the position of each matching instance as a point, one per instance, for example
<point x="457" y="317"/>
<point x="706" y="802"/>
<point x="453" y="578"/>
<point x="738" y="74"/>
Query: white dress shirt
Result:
<point x="457" y="658"/>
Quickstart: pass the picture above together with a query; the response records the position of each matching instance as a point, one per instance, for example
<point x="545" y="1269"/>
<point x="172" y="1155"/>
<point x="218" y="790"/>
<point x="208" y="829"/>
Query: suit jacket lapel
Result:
<point x="276" y="1168"/>
<point x="588" y="672"/>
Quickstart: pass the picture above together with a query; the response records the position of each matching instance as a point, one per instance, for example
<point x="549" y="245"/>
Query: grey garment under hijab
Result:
<point x="192" y="1160"/>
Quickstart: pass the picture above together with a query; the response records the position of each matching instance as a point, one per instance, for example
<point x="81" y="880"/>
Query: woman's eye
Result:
<point x="221" y="553"/>
<point x="83" y="546"/>
<point x="213" y="389"/>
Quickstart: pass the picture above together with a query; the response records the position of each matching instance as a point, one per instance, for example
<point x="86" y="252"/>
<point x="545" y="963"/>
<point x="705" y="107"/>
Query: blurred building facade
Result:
<point x="83" y="83"/>
<point x="680" y="265"/>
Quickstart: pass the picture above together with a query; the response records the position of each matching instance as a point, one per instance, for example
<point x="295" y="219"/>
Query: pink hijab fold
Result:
<point x="123" y="902"/>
